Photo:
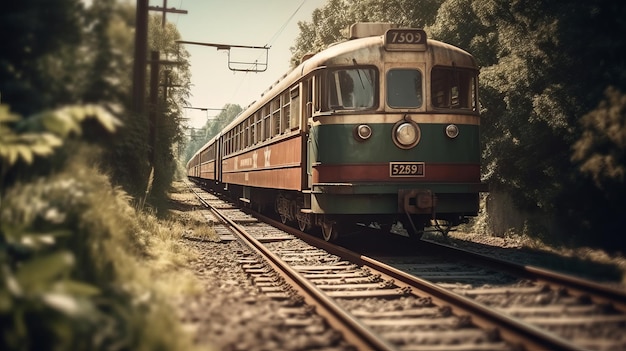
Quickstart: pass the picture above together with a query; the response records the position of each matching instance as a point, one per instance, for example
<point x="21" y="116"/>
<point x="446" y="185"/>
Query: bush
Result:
<point x="72" y="254"/>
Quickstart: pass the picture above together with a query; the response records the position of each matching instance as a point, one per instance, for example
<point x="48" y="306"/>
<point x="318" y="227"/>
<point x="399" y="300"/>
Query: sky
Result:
<point x="235" y="22"/>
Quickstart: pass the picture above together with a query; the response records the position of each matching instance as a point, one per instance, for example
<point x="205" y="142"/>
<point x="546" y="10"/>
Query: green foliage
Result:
<point x="545" y="65"/>
<point x="330" y="23"/>
<point x="40" y="61"/>
<point x="601" y="149"/>
<point x="72" y="53"/>
<point x="24" y="146"/>
<point x="210" y="130"/>
<point x="71" y="247"/>
<point x="39" y="135"/>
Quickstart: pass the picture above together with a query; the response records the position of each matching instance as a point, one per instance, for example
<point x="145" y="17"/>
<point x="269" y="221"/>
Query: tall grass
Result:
<point x="79" y="265"/>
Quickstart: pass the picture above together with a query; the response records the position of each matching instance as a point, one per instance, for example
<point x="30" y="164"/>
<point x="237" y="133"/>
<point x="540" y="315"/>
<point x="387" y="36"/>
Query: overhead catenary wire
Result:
<point x="282" y="28"/>
<point x="276" y="28"/>
<point x="271" y="42"/>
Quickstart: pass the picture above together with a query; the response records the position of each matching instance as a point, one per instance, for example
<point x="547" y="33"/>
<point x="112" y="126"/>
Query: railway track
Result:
<point x="445" y="300"/>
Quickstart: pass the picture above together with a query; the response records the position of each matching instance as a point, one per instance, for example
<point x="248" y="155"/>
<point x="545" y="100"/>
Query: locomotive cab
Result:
<point x="394" y="135"/>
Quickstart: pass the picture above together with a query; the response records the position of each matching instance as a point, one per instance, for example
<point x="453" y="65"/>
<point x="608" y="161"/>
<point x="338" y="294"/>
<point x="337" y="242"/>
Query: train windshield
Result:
<point x="453" y="87"/>
<point x="404" y="88"/>
<point x="352" y="89"/>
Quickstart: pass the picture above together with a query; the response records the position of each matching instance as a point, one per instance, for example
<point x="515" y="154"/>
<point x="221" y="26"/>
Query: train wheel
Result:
<point x="304" y="219"/>
<point x="330" y="230"/>
<point x="302" y="224"/>
<point x="283" y="219"/>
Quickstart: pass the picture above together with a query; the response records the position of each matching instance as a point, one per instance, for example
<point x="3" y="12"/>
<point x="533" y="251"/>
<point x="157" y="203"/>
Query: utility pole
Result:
<point x="139" y="73"/>
<point x="141" y="51"/>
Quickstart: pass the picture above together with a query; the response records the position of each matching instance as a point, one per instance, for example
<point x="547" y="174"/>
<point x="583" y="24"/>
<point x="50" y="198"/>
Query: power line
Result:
<point x="271" y="41"/>
<point x="276" y="35"/>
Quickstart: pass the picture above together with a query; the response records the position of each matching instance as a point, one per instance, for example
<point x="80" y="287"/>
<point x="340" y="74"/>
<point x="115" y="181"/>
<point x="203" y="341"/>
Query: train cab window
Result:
<point x="351" y="89"/>
<point x="453" y="87"/>
<point x="404" y="88"/>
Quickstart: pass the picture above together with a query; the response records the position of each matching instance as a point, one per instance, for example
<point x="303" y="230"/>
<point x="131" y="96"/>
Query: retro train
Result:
<point x="381" y="128"/>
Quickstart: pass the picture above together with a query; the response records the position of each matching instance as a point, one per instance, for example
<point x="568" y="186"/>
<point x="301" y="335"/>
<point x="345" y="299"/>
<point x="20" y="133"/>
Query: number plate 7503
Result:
<point x="406" y="169"/>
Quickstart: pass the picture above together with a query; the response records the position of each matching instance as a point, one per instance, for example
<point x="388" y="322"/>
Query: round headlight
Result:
<point x="452" y="131"/>
<point x="363" y="132"/>
<point x="407" y="134"/>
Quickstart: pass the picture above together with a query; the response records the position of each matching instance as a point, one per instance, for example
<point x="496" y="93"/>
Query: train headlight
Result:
<point x="406" y="134"/>
<point x="363" y="132"/>
<point x="452" y="131"/>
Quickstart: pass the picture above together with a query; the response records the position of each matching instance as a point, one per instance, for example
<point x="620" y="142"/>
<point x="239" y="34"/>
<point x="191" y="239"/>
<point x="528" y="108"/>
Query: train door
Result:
<point x="218" y="159"/>
<point x="308" y="95"/>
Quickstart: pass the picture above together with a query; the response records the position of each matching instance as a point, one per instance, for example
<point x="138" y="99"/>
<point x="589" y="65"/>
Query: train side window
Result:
<point x="229" y="139"/>
<point x="256" y="131"/>
<point x="248" y="131"/>
<point x="239" y="138"/>
<point x="235" y="139"/>
<point x="404" y="88"/>
<point x="276" y="116"/>
<point x="294" y="114"/>
<point x="266" y="122"/>
<point x="284" y="112"/>
<point x="453" y="87"/>
<point x="314" y="95"/>
<point x="226" y="143"/>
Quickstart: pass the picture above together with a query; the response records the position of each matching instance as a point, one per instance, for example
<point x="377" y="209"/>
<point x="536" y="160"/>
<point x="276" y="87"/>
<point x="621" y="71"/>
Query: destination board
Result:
<point x="405" y="39"/>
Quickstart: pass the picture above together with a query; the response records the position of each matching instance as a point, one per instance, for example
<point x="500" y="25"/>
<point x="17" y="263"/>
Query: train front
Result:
<point x="394" y="136"/>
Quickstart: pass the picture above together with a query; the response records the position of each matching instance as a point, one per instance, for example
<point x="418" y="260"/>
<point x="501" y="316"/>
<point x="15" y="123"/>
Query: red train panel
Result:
<point x="276" y="165"/>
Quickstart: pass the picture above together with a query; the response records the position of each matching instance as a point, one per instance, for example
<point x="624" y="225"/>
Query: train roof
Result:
<point x="366" y="42"/>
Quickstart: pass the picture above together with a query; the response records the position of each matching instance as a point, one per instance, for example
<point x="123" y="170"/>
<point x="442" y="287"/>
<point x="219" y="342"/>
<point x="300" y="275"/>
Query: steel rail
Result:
<point x="353" y="330"/>
<point x="575" y="286"/>
<point x="513" y="330"/>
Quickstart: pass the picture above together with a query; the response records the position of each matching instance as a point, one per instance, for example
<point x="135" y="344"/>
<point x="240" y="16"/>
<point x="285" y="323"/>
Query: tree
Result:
<point x="40" y="54"/>
<point x="547" y="64"/>
<point x="601" y="149"/>
<point x="211" y="129"/>
<point x="330" y="23"/>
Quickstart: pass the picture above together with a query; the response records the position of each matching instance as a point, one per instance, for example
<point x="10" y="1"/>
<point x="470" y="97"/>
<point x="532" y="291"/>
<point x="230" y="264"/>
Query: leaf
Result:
<point x="62" y="302"/>
<point x="61" y="122"/>
<point x="6" y="302"/>
<point x="12" y="155"/>
<point x="11" y="284"/>
<point x="43" y="270"/>
<point x="25" y="152"/>
<point x="51" y="139"/>
<point x="39" y="240"/>
<point x="107" y="120"/>
<point x="77" y="288"/>
<point x="6" y="115"/>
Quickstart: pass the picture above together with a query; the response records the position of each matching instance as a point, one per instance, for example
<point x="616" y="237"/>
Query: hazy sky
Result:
<point x="235" y="22"/>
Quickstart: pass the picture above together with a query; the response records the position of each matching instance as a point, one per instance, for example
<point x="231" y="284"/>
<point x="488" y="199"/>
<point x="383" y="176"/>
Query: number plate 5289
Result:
<point x="406" y="169"/>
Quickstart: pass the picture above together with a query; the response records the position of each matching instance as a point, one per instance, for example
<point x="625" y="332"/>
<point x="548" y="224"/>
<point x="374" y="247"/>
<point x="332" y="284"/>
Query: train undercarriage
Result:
<point x="414" y="213"/>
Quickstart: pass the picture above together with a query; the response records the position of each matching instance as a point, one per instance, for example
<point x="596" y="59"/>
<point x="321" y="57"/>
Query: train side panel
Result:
<point x="276" y="165"/>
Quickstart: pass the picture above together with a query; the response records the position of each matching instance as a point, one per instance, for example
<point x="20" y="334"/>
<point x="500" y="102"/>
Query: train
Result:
<point x="381" y="129"/>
